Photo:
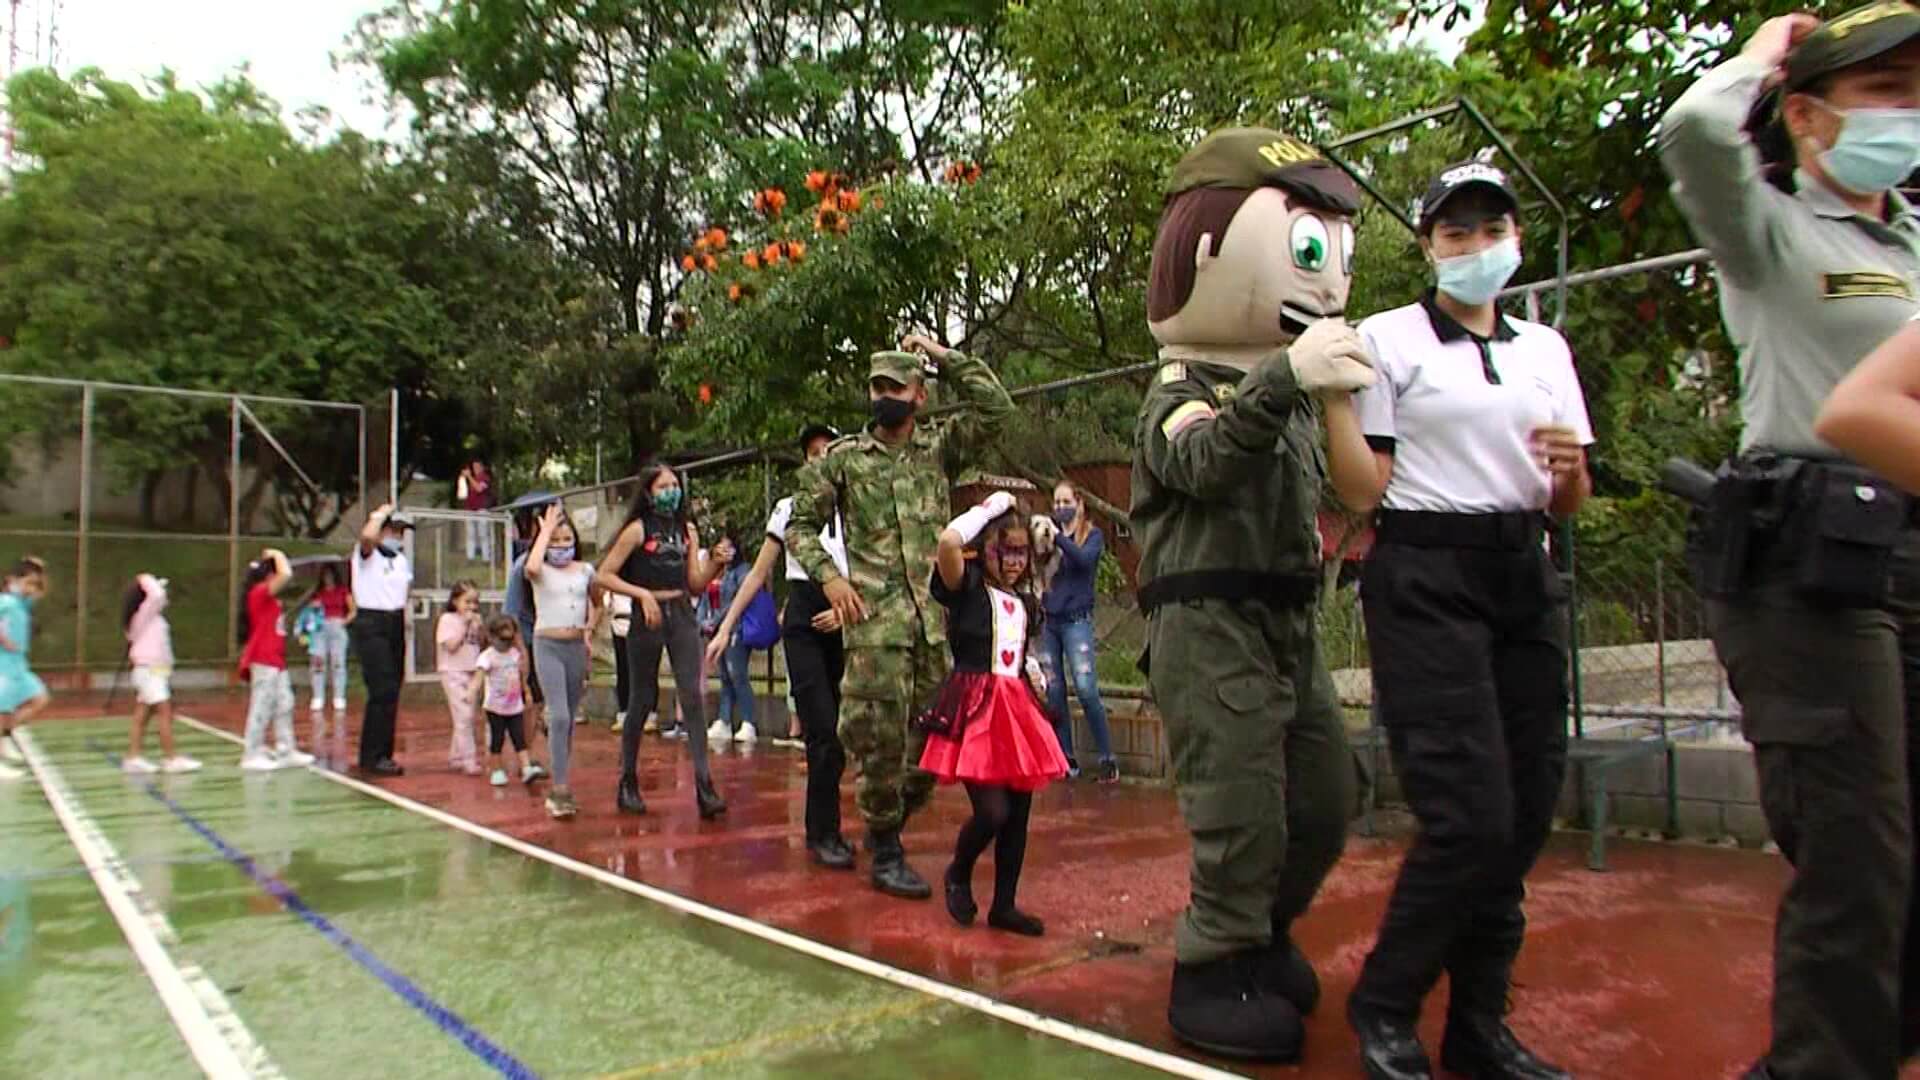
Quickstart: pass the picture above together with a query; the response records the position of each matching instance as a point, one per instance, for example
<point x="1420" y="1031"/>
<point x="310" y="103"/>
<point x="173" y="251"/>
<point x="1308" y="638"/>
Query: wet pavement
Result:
<point x="1658" y="968"/>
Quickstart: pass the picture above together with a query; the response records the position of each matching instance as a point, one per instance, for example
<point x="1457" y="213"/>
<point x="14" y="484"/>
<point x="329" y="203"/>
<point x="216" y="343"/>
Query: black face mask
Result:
<point x="891" y="412"/>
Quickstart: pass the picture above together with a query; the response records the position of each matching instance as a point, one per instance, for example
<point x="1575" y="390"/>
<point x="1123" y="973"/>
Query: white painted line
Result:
<point x="999" y="1010"/>
<point x="214" y="1033"/>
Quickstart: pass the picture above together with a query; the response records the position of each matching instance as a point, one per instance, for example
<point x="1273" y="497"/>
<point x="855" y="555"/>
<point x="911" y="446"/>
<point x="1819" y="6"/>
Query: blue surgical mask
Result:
<point x="387" y="549"/>
<point x="1479" y="277"/>
<point x="1877" y="148"/>
<point x="1063" y="515"/>
<point x="667" y="500"/>
<point x="559" y="556"/>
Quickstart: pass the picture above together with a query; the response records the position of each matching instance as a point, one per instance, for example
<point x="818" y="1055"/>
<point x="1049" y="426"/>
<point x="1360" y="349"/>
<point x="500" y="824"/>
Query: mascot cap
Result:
<point x="1247" y="158"/>
<point x="1857" y="36"/>
<point x="902" y="367"/>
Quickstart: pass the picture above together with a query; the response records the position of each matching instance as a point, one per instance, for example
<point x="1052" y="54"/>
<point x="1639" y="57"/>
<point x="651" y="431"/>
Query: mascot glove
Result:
<point x="1330" y="356"/>
<point x="969" y="524"/>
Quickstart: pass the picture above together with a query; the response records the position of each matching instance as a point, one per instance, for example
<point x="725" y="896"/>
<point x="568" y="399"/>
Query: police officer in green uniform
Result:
<point x="1784" y="161"/>
<point x="1250" y="270"/>
<point x="890" y="485"/>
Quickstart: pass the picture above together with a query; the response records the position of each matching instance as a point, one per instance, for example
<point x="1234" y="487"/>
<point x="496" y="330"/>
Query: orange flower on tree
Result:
<point x="849" y="201"/>
<point x="706" y="392"/>
<point x="700" y="244"/>
<point x="827" y="219"/>
<point x="709" y="263"/>
<point x="816" y="181"/>
<point x="771" y="255"/>
<point x="687" y="263"/>
<point x="751" y="260"/>
<point x="735" y="292"/>
<point x="717" y="238"/>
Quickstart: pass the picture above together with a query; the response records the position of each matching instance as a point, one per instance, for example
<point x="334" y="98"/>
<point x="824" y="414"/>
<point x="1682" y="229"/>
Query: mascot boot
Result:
<point x="1251" y="268"/>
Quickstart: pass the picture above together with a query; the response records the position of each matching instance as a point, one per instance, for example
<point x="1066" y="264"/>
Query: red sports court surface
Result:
<point x="1658" y="968"/>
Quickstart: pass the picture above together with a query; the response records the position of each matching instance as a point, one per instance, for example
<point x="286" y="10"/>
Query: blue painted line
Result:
<point x="444" y="1018"/>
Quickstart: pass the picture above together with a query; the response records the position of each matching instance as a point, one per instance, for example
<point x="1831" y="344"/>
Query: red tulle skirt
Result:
<point x="1004" y="737"/>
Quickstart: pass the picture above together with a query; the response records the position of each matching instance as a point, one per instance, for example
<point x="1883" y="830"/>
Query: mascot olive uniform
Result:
<point x="1251" y="266"/>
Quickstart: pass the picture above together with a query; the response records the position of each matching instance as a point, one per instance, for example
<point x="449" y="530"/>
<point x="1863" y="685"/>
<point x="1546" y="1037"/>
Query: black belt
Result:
<point x="1497" y="532"/>
<point x="1282" y="591"/>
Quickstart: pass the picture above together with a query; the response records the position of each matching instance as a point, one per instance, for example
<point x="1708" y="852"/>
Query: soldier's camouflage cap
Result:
<point x="1852" y="38"/>
<point x="902" y="367"/>
<point x="1246" y="158"/>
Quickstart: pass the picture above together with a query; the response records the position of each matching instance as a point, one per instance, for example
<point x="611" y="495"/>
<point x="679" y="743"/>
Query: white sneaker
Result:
<point x="8" y="772"/>
<point x="653" y="722"/>
<point x="179" y="763"/>
<point x="319" y="707"/>
<point x="718" y="731"/>
<point x="619" y="721"/>
<point x="137" y="766"/>
<point x="260" y="762"/>
<point x="499" y="778"/>
<point x="293" y="758"/>
<point x="745" y="734"/>
<point x="339" y="704"/>
<point x="10" y="751"/>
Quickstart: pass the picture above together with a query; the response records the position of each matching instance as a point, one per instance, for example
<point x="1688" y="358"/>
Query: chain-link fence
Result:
<point x="106" y="481"/>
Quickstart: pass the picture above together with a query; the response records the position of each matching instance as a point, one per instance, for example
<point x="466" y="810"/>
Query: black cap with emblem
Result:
<point x="1247" y="158"/>
<point x="1465" y="176"/>
<point x="1853" y="38"/>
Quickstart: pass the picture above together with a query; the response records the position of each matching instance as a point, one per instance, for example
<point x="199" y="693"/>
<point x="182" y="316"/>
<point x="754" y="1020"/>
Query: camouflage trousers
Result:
<point x="882" y="691"/>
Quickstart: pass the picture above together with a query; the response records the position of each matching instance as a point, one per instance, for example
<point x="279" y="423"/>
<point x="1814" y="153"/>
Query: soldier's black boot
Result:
<point x="628" y="800"/>
<point x="1482" y="1047"/>
<point x="891" y="874"/>
<point x="1389" y="1047"/>
<point x="708" y="800"/>
<point x="1221" y="1006"/>
<point x="1285" y="971"/>
<point x="832" y="852"/>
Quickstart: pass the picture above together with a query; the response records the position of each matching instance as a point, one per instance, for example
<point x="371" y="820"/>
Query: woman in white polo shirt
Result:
<point x="1473" y="432"/>
<point x="382" y="578"/>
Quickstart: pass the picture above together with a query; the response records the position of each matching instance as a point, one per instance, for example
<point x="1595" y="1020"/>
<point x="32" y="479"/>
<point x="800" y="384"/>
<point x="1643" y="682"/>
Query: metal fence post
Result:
<point x="1573" y="630"/>
<point x="1660" y="626"/>
<point x="233" y="527"/>
<point x="86" y="512"/>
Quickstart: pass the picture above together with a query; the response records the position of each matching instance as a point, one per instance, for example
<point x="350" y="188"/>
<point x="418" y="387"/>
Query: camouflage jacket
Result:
<point x="1227" y="469"/>
<point x="894" y="501"/>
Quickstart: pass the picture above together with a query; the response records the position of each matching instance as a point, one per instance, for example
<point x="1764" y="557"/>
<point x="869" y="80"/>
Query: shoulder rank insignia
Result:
<point x="1172" y="373"/>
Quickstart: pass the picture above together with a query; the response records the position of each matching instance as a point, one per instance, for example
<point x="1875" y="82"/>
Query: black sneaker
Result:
<point x="1073" y="768"/>
<point x="1109" y="771"/>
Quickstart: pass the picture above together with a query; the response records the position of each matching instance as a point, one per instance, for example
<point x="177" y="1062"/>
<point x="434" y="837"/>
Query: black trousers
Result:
<point x="816" y="661"/>
<point x="621" y="663"/>
<point x="678" y="635"/>
<point x="1470" y="675"/>
<point x="1829" y="699"/>
<point x="380" y="640"/>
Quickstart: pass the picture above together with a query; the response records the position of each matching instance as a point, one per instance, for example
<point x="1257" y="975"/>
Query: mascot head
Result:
<point x="1255" y="242"/>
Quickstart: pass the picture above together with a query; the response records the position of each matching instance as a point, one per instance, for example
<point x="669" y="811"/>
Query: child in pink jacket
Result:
<point x="150" y="654"/>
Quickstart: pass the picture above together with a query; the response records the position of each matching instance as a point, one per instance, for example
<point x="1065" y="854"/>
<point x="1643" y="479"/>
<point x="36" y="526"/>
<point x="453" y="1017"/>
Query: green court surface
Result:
<point x="567" y="977"/>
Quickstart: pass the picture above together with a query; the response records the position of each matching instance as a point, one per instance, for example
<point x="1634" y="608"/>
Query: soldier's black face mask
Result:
<point x="891" y="412"/>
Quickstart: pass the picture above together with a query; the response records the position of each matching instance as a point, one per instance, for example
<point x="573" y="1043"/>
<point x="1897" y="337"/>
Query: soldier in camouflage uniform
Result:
<point x="890" y="484"/>
<point x="1250" y="271"/>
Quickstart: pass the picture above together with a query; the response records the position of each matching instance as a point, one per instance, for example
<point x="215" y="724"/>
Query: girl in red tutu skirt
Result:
<point x="987" y="729"/>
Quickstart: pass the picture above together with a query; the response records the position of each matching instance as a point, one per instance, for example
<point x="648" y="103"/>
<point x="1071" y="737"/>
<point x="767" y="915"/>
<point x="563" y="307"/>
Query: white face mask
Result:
<point x="1876" y="148"/>
<point x="1479" y="277"/>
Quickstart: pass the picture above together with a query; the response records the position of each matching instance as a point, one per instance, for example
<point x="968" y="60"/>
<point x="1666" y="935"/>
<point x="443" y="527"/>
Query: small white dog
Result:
<point x="1046" y="554"/>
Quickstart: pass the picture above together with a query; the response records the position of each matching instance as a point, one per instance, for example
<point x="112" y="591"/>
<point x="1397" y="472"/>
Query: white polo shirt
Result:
<point x="833" y="540"/>
<point x="1461" y="440"/>
<point x="381" y="583"/>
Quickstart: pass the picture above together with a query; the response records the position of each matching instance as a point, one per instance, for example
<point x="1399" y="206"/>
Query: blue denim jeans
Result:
<point x="1067" y="645"/>
<point x="736" y="685"/>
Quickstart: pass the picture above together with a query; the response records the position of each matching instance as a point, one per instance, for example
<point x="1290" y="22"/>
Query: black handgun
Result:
<point x="1687" y="480"/>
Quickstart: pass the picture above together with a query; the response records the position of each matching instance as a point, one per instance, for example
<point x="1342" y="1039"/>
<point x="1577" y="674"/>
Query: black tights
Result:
<point x="1000" y="816"/>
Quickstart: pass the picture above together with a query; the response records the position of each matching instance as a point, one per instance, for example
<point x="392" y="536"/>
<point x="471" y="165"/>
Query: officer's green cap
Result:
<point x="902" y="367"/>
<point x="1846" y="40"/>
<point x="1246" y="158"/>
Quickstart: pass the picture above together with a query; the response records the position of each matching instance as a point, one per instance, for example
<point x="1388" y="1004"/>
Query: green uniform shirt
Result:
<point x="1808" y="287"/>
<point x="1227" y="470"/>
<point x="894" y="502"/>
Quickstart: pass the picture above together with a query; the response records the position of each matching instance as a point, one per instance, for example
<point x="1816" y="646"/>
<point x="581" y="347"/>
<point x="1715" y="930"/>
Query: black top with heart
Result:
<point x="986" y="627"/>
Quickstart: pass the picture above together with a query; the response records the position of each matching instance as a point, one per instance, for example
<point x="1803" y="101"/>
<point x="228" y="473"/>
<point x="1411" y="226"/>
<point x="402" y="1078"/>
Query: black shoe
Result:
<point x="1220" y="1007"/>
<point x="1015" y="921"/>
<point x="708" y="800"/>
<point x="386" y="767"/>
<point x="1484" y="1048"/>
<point x="1284" y="970"/>
<point x="628" y="800"/>
<point x="1073" y="768"/>
<point x="891" y="874"/>
<point x="1389" y="1046"/>
<point x="1109" y="771"/>
<point x="960" y="903"/>
<point x="834" y="853"/>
